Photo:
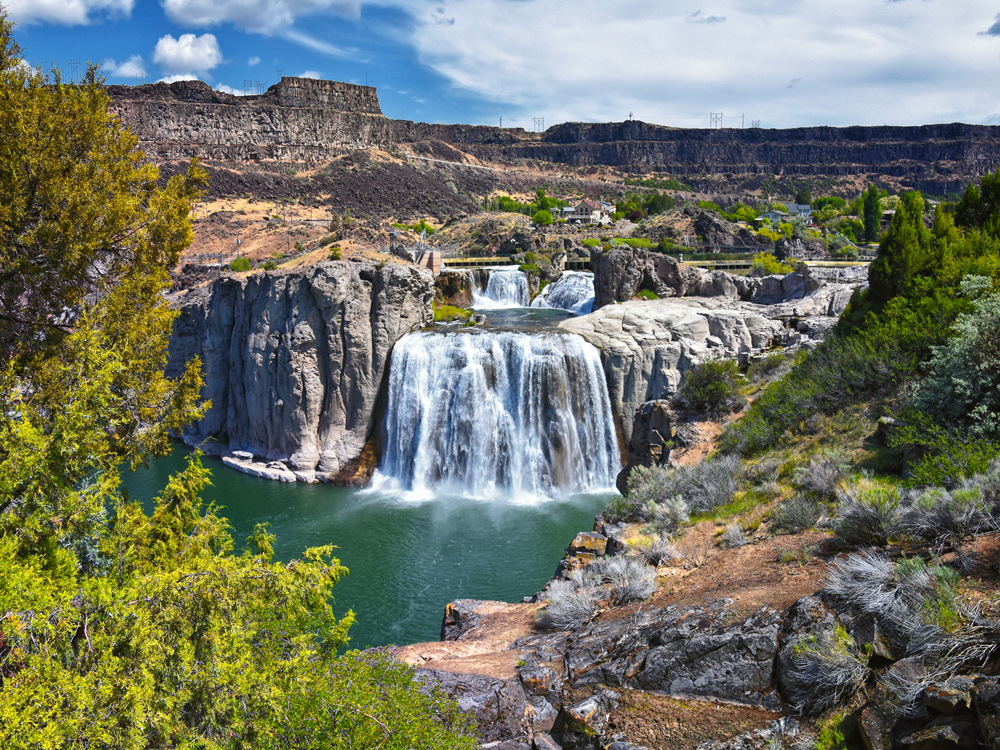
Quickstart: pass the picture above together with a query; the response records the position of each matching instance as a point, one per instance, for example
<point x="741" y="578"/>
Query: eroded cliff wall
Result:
<point x="303" y="120"/>
<point x="294" y="362"/>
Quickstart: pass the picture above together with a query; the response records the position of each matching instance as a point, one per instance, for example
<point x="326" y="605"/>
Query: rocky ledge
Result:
<point x="709" y="661"/>
<point x="647" y="346"/>
<point x="295" y="363"/>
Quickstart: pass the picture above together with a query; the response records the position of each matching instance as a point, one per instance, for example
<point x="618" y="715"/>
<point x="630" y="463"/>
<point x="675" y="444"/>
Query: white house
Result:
<point x="775" y="217"/>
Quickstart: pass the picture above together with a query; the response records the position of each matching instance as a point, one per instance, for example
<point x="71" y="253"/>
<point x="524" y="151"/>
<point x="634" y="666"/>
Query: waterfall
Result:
<point x="574" y="292"/>
<point x="505" y="287"/>
<point x="487" y="413"/>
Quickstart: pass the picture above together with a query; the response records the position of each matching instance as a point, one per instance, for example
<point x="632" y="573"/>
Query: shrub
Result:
<point x="767" y="367"/>
<point x="733" y="536"/>
<point x="704" y="486"/>
<point x="542" y="218"/>
<point x="530" y="257"/>
<point x="868" y="512"/>
<point x="625" y="507"/>
<point x="569" y="606"/>
<point x="796" y="514"/>
<point x="336" y="253"/>
<point x="591" y="242"/>
<point x="765" y="264"/>
<point x="712" y="388"/>
<point x="646" y="294"/>
<point x="530" y="268"/>
<point x="241" y="264"/>
<point x="670" y="515"/>
<point x="658" y="550"/>
<point x="629" y="578"/>
<point x="824" y="671"/>
<point x="822" y="477"/>
<point x="270" y="265"/>
<point x="936" y="515"/>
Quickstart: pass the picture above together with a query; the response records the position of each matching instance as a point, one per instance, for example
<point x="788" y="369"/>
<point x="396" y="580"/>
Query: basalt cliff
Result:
<point x="304" y="120"/>
<point x="295" y="363"/>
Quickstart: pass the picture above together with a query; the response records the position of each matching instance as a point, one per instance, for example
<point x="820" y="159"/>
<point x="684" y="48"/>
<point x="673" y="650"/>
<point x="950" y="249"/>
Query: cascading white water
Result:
<point x="490" y="413"/>
<point x="505" y="287"/>
<point x="574" y="292"/>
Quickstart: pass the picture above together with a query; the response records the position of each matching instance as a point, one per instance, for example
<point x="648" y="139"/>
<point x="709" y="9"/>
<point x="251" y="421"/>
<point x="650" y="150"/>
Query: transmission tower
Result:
<point x="247" y="87"/>
<point x="715" y="120"/>
<point x="755" y="123"/>
<point x="539" y="124"/>
<point x="75" y="65"/>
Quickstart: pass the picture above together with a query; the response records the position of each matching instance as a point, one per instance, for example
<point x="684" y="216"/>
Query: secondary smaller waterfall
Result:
<point x="573" y="292"/>
<point x="505" y="287"/>
<point x="486" y="413"/>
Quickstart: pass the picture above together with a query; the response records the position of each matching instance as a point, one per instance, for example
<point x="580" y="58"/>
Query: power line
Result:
<point x="715" y="120"/>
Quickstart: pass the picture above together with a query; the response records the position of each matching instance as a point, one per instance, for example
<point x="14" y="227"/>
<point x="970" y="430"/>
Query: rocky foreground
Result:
<point x="707" y="662"/>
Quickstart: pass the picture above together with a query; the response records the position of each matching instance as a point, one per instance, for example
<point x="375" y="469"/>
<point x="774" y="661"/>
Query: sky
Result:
<point x="776" y="63"/>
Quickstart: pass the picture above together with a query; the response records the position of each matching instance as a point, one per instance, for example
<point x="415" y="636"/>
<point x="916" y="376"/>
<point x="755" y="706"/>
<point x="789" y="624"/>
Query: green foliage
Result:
<point x="591" y="242"/>
<point x="765" y="264"/>
<point x="241" y="264"/>
<point x="872" y="215"/>
<point x="708" y="206"/>
<point x="712" y="388"/>
<point x="946" y="453"/>
<point x="905" y="253"/>
<point x="530" y="268"/>
<point x="829" y="202"/>
<point x="117" y="628"/>
<point x="336" y="253"/>
<point x="980" y="206"/>
<point x="803" y="196"/>
<point x="448" y="313"/>
<point x="270" y="265"/>
<point x="418" y="227"/>
<point x="658" y="204"/>
<point x="646" y="294"/>
<point x="542" y="218"/>
<point x="654" y="182"/>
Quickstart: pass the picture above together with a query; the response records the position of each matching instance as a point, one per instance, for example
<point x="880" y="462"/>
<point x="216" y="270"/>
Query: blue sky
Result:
<point x="784" y="63"/>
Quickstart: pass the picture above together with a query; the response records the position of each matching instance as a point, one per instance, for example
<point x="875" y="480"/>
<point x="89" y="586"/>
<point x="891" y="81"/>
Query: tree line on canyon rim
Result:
<point x="127" y="629"/>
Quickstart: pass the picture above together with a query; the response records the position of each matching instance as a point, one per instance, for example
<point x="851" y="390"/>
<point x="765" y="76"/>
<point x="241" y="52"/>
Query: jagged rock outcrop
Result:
<point x="646" y="347"/>
<point x="651" y="439"/>
<point x="294" y="362"/>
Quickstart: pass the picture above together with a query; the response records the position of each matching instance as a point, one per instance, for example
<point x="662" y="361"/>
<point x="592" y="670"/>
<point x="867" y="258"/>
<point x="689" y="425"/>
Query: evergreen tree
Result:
<point x="872" y="215"/>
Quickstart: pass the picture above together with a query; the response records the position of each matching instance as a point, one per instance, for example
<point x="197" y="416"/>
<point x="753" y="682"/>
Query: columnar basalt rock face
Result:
<point x="294" y="363"/>
<point x="302" y="119"/>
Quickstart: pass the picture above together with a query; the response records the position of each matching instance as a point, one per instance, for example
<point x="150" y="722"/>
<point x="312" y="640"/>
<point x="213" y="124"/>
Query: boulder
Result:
<point x="588" y="542"/>
<point x="986" y="699"/>
<point x="808" y="618"/>
<point x="460" y="617"/>
<point x="651" y="439"/>
<point x="500" y="707"/>
<point x="454" y="288"/>
<point x="949" y="737"/>
<point x="951" y="697"/>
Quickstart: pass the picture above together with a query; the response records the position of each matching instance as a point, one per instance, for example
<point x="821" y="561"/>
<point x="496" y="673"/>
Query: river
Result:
<point x="496" y="537"/>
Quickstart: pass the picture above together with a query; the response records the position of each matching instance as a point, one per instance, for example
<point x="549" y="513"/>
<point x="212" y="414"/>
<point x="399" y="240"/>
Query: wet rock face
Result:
<point x="454" y="288"/>
<point x="294" y="362"/>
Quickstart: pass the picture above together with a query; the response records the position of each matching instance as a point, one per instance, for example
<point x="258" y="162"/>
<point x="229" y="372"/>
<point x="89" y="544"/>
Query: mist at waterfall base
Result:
<point x="407" y="560"/>
<point x="499" y="447"/>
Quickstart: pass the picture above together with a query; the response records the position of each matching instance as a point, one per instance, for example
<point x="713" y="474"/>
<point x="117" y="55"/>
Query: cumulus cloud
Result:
<point x="253" y="61"/>
<point x="129" y="69"/>
<point x="65" y="12"/>
<point x="264" y="16"/>
<point x="227" y="90"/>
<point x="187" y="55"/>
<point x="311" y="74"/>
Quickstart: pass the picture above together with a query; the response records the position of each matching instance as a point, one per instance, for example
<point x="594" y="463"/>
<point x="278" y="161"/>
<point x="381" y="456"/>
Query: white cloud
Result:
<point x="227" y="90"/>
<point x="264" y="16"/>
<point x="178" y="77"/>
<point x="852" y="62"/>
<point x="253" y="61"/>
<point x="311" y="74"/>
<point x="187" y="55"/>
<point x="129" y="69"/>
<point x="65" y="12"/>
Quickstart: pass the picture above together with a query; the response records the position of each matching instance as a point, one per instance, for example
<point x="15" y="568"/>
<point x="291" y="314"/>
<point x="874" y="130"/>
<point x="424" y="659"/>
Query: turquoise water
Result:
<point x="407" y="559"/>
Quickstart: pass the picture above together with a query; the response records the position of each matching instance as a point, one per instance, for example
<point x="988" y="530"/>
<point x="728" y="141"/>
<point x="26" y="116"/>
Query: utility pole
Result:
<point x="75" y="65"/>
